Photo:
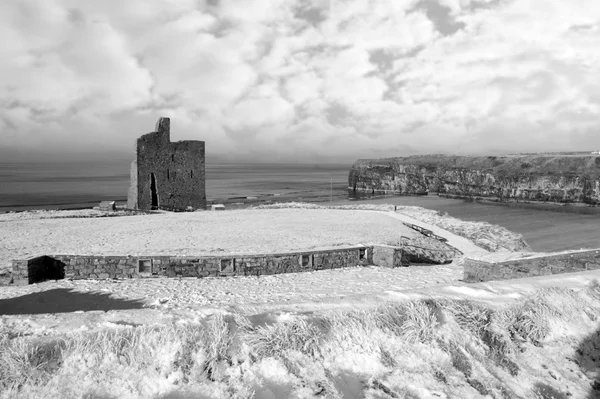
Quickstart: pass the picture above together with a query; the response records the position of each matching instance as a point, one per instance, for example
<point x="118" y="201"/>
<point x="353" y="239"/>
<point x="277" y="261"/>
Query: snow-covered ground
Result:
<point x="240" y="231"/>
<point x="316" y="286"/>
<point x="360" y="363"/>
<point x="199" y="233"/>
<point x="141" y="301"/>
<point x="358" y="368"/>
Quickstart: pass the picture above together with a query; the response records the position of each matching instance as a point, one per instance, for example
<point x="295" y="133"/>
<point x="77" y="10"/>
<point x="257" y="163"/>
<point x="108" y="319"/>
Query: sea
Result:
<point x="73" y="185"/>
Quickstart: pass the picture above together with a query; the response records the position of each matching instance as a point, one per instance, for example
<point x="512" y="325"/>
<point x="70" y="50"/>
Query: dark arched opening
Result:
<point x="153" y="191"/>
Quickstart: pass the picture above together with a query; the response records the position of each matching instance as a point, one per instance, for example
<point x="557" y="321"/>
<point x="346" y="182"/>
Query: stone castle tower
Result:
<point x="166" y="175"/>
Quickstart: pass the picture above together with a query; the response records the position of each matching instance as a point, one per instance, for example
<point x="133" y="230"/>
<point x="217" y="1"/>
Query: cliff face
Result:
<point x="566" y="179"/>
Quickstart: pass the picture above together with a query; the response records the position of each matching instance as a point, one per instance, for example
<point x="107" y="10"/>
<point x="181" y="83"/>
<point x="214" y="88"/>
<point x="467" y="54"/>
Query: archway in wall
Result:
<point x="153" y="191"/>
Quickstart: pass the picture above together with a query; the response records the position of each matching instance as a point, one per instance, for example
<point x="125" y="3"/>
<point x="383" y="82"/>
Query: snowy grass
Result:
<point x="485" y="235"/>
<point x="295" y="335"/>
<point x="413" y="349"/>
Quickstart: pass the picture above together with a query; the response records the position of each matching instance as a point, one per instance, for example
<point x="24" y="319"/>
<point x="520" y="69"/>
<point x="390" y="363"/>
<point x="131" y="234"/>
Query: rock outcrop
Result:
<point x="562" y="179"/>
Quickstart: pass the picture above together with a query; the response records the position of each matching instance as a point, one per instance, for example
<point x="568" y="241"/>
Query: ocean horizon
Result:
<point x="76" y="184"/>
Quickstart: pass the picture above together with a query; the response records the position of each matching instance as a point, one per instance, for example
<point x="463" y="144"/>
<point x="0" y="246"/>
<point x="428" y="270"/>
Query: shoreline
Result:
<point x="238" y="202"/>
<point x="242" y="202"/>
<point x="576" y="208"/>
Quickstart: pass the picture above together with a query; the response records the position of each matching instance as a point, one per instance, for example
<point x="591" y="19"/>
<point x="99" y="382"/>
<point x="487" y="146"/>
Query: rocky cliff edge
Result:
<point x="548" y="178"/>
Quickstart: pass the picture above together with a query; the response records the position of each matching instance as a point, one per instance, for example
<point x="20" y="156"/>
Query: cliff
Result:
<point x="564" y="179"/>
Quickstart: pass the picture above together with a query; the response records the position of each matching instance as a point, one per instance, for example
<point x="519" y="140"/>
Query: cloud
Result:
<point x="263" y="107"/>
<point x="284" y="79"/>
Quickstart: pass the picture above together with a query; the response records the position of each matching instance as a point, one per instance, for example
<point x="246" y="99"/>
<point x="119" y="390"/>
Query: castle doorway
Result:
<point x="153" y="191"/>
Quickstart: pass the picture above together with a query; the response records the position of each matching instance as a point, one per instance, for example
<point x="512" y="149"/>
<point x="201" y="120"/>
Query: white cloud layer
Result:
<point x="302" y="80"/>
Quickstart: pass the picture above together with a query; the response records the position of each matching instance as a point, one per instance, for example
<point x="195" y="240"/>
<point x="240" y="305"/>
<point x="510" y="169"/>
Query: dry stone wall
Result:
<point x="388" y="256"/>
<point x="479" y="271"/>
<point x="39" y="268"/>
<point x="28" y="271"/>
<point x="101" y="267"/>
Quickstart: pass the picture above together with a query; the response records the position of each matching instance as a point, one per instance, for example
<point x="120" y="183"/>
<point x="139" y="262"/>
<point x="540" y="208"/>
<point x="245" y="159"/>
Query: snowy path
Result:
<point x="458" y="242"/>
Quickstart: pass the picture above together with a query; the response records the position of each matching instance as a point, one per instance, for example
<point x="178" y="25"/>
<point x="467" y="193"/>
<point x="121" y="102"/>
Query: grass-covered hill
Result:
<point x="545" y="346"/>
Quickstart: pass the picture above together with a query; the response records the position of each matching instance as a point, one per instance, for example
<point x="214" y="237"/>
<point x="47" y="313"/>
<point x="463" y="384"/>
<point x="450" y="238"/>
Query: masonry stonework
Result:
<point x="479" y="271"/>
<point x="101" y="267"/>
<point x="167" y="175"/>
<point x="37" y="269"/>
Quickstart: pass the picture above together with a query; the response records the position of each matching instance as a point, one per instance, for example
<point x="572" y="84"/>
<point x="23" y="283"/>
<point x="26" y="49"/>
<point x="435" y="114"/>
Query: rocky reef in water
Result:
<point x="548" y="178"/>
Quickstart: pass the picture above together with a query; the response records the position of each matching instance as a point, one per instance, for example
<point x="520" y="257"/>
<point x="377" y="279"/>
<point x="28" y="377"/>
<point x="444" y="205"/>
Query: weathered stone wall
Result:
<point x="550" y="179"/>
<point x="388" y="256"/>
<point x="478" y="271"/>
<point x="406" y="255"/>
<point x="101" y="267"/>
<point x="20" y="272"/>
<point x="178" y="171"/>
<point x="39" y="268"/>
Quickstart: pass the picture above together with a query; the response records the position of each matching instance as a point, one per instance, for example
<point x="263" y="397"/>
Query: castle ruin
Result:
<point x="166" y="175"/>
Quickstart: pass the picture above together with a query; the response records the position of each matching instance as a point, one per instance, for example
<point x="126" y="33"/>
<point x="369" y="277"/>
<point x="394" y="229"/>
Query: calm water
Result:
<point x="27" y="186"/>
<point x="38" y="186"/>
<point x="544" y="230"/>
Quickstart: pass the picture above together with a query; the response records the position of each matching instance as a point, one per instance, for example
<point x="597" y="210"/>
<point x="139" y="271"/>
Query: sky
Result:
<point x="299" y="80"/>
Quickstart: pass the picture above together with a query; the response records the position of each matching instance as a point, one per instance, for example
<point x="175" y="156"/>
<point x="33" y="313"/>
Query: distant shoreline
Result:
<point x="241" y="202"/>
<point x="578" y="208"/>
<point x="237" y="202"/>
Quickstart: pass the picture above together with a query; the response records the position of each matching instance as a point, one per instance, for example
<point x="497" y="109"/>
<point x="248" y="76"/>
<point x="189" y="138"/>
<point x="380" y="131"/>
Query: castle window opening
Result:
<point x="362" y="252"/>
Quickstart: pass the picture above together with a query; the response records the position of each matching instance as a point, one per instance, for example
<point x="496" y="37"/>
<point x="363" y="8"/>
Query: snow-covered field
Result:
<point x="198" y="233"/>
<point x="241" y="231"/>
<point x="316" y="286"/>
<point x="173" y="338"/>
<point x="534" y="342"/>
